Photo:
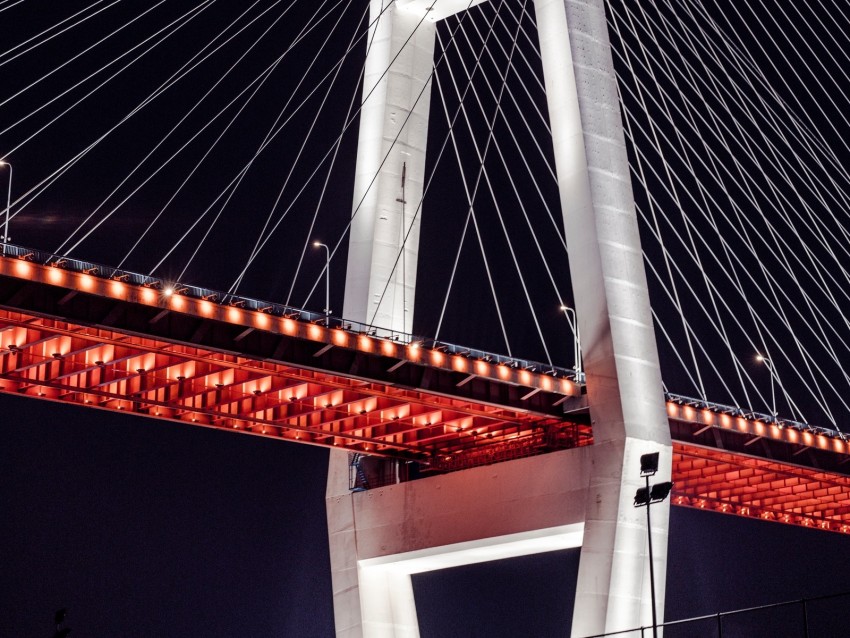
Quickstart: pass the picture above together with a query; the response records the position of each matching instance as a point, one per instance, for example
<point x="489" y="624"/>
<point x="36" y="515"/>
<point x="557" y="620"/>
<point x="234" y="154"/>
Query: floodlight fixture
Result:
<point x="649" y="464"/>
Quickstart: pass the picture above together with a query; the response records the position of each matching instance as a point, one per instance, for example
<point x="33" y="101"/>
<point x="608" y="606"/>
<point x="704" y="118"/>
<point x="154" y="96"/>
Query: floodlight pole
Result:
<point x="651" y="565"/>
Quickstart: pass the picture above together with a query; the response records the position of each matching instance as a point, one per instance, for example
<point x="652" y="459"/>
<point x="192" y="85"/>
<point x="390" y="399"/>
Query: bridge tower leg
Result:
<point x="576" y="497"/>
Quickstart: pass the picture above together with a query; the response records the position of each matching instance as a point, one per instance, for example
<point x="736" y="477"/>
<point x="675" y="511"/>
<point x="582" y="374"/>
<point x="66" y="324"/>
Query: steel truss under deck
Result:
<point x="71" y="333"/>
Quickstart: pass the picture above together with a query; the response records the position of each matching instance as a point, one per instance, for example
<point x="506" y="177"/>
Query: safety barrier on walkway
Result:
<point x="819" y="617"/>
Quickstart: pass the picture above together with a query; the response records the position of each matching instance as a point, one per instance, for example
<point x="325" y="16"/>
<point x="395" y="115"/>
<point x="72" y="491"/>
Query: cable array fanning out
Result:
<point x="213" y="144"/>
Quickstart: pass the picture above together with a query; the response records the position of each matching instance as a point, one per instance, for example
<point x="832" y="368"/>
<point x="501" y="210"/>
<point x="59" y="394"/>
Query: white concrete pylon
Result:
<point x="390" y="173"/>
<point x="612" y="303"/>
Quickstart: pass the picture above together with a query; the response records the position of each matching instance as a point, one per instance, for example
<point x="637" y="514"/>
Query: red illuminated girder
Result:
<point x="75" y="337"/>
<point x="78" y="338"/>
<point x="760" y="488"/>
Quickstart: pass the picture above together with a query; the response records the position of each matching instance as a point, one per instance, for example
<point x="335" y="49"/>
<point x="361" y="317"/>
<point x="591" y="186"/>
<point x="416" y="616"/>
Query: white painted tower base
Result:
<point x="379" y="537"/>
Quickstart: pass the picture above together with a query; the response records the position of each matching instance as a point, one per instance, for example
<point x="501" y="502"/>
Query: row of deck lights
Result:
<point x="708" y="415"/>
<point x="341" y="336"/>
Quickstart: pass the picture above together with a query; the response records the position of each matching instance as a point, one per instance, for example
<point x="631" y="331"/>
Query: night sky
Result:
<point x="146" y="528"/>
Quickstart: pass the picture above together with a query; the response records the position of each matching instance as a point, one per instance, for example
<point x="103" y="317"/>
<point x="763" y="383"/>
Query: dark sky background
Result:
<point x="145" y="528"/>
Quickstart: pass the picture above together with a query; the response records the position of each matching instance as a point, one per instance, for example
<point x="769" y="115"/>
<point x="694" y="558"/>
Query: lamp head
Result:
<point x="653" y="494"/>
<point x="649" y="464"/>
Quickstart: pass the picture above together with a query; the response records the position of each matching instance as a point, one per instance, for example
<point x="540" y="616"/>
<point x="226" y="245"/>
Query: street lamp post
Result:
<point x="769" y="365"/>
<point x="644" y="497"/>
<point x="319" y="244"/>
<point x="570" y="313"/>
<point x="8" y="203"/>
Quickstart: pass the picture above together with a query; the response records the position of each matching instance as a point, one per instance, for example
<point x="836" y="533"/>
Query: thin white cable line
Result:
<point x="722" y="88"/>
<point x="255" y="250"/>
<point x="752" y="200"/>
<point x="351" y="106"/>
<point x="800" y="110"/>
<point x="559" y="230"/>
<point x="428" y="182"/>
<point x="337" y="141"/>
<point x="781" y="312"/>
<point x="10" y="6"/>
<point x="193" y="13"/>
<point x="54" y="26"/>
<point x="282" y="126"/>
<point x="757" y="321"/>
<point x="87" y="78"/>
<point x="773" y="120"/>
<point x="266" y="73"/>
<point x="784" y="318"/>
<point x="471" y="199"/>
<point x="81" y="53"/>
<point x="507" y="171"/>
<point x="280" y="115"/>
<point x="392" y="144"/>
<point x="242" y="92"/>
<point x="483" y="171"/>
<point x="657" y="147"/>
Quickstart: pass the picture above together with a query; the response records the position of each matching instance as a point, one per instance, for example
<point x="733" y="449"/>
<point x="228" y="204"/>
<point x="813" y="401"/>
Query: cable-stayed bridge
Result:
<point x="736" y="159"/>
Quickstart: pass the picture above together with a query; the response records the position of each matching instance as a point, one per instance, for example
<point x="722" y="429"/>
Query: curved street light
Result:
<point x="769" y="365"/>
<point x="8" y="203"/>
<point x="570" y="313"/>
<point x="318" y="244"/>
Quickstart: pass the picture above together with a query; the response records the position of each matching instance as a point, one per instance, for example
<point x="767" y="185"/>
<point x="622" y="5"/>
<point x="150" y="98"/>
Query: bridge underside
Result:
<point x="94" y="341"/>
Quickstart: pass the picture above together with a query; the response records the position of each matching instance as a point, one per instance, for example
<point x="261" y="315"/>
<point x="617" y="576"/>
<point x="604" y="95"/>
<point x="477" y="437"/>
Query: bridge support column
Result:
<point x="624" y="386"/>
<point x="589" y="488"/>
<point x="379" y="289"/>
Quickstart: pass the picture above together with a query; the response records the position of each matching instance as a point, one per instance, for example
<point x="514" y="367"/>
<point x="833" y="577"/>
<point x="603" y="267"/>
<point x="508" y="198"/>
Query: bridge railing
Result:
<point x="819" y="617"/>
<point x="752" y="414"/>
<point x="108" y="272"/>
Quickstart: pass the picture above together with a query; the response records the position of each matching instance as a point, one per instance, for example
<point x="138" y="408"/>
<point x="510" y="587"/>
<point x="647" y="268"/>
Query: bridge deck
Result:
<point x="73" y="335"/>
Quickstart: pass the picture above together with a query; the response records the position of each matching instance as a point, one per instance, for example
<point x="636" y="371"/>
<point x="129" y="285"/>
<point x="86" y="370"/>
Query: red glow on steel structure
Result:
<point x="166" y="352"/>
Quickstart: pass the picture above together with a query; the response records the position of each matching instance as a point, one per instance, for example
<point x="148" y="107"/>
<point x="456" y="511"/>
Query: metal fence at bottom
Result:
<point x="820" y="617"/>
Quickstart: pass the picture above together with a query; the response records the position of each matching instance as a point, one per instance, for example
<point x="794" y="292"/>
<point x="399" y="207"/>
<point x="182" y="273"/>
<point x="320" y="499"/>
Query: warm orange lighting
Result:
<point x="234" y="315"/>
<point x="708" y="417"/>
<point x="364" y="343"/>
<point x="340" y="338"/>
<point x="206" y="308"/>
<point x="388" y="348"/>
<point x="437" y="358"/>
<point x="482" y="368"/>
<point x="525" y="377"/>
<point x="725" y="421"/>
<point x="315" y="332"/>
<point x="672" y="409"/>
<point x="148" y="296"/>
<point x="546" y="383"/>
<point x="503" y="372"/>
<point x="55" y="275"/>
<point x="290" y="327"/>
<point x="459" y="364"/>
<point x="117" y="289"/>
<point x="178" y="302"/>
<point x="23" y="268"/>
<point x="86" y="282"/>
